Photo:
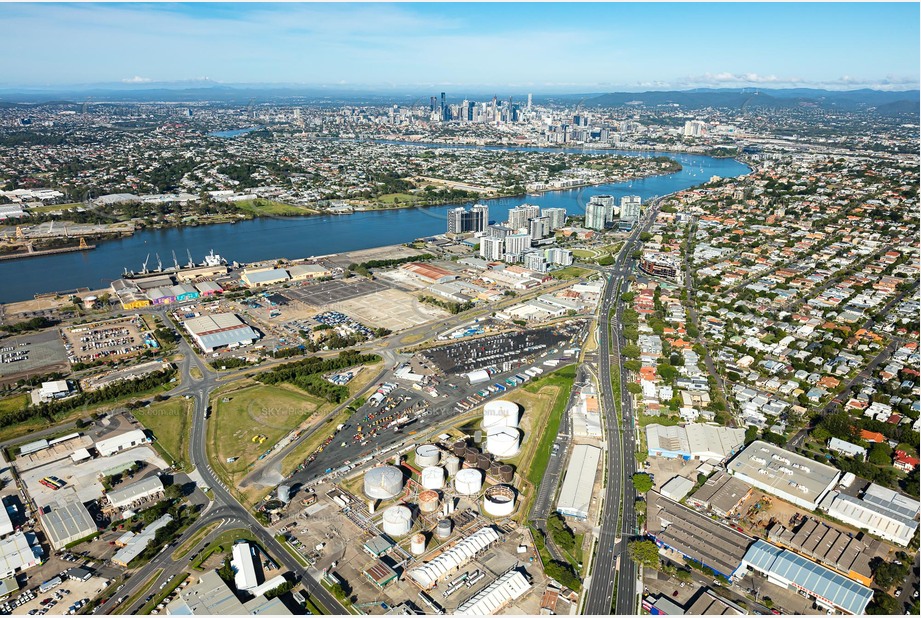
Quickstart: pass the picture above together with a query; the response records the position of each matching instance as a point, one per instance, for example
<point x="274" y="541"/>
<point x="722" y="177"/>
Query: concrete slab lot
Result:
<point x="84" y="477"/>
<point x="391" y="309"/>
<point x="328" y="292"/>
<point x="45" y="350"/>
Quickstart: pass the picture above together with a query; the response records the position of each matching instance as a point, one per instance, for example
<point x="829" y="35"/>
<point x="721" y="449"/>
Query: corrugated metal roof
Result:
<point x="576" y="493"/>
<point x="814" y="578"/>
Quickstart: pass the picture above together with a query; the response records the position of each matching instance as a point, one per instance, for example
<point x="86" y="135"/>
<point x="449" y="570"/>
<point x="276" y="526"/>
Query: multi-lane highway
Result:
<point x="618" y="520"/>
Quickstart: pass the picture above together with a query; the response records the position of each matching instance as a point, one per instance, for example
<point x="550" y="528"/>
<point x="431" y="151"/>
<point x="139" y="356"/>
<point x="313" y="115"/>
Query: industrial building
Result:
<point x="885" y="513"/>
<point x="139" y="542"/>
<point x="121" y="442"/>
<point x="677" y="488"/>
<point x="266" y="276"/>
<point x="695" y="536"/>
<point x="575" y="498"/>
<point x="305" y="272"/>
<point x="704" y="603"/>
<point x="510" y="586"/>
<point x="789" y="570"/>
<point x="428" y="574"/>
<point x="836" y="549"/>
<point x="220" y="330"/>
<point x="6" y="524"/>
<point x="19" y="552"/>
<point x="694" y="441"/>
<point x="67" y="523"/>
<point x="429" y="273"/>
<point x="136" y="493"/>
<point x="243" y="563"/>
<point x="788" y="476"/>
<point x="721" y="494"/>
<point x="211" y="596"/>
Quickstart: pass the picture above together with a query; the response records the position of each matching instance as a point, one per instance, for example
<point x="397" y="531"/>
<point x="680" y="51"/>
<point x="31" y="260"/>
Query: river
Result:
<point x="300" y="237"/>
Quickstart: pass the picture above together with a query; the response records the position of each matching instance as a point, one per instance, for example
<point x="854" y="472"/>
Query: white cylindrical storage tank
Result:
<point x="503" y="441"/>
<point x="428" y="501"/>
<point x="443" y="529"/>
<point x="383" y="483"/>
<point x="499" y="501"/>
<point x="89" y="301"/>
<point x="452" y="464"/>
<point x="427" y="455"/>
<point x="417" y="544"/>
<point x="433" y="477"/>
<point x="468" y="482"/>
<point x="398" y="520"/>
<point x="284" y="493"/>
<point x="500" y="414"/>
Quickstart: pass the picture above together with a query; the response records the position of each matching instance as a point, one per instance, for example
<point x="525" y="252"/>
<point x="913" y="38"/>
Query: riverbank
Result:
<point x="263" y="238"/>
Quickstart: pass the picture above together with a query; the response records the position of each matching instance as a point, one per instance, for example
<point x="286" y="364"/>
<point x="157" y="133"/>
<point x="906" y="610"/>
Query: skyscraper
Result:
<point x="482" y="216"/>
<point x="608" y="202"/>
<point x="516" y="244"/>
<point x="539" y="227"/>
<point x="595" y="215"/>
<point x="519" y="216"/>
<point x="456" y="219"/>
<point x="529" y="101"/>
<point x="443" y="106"/>
<point x="630" y="206"/>
<point x="491" y="248"/>
<point x="557" y="217"/>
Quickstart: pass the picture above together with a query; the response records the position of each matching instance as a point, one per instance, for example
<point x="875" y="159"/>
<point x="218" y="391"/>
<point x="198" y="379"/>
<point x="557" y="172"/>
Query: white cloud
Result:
<point x="136" y="80"/>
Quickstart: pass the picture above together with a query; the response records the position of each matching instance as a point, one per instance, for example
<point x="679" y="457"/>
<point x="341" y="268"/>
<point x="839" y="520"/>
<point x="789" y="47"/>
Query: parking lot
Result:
<point x="39" y="353"/>
<point x="104" y="340"/>
<point x="328" y="292"/>
<point x="61" y="597"/>
<point x="495" y="350"/>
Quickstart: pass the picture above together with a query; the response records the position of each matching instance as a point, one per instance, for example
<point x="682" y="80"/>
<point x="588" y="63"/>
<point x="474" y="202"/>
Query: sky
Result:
<point x="543" y="47"/>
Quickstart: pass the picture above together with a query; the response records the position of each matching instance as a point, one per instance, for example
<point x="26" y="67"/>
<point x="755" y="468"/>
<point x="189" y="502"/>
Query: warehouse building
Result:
<point x="67" y="523"/>
<point x="139" y="542"/>
<point x="121" y="442"/>
<point x="788" y="476"/>
<point x="881" y="511"/>
<point x="428" y="574"/>
<point x="243" y="562"/>
<point x="721" y="494"/>
<point x="211" y="596"/>
<point x="19" y="552"/>
<point x="135" y="494"/>
<point x="695" y="441"/>
<point x="306" y="272"/>
<point x="836" y="549"/>
<point x="268" y="276"/>
<point x="576" y="494"/>
<point x="429" y="273"/>
<point x="208" y="288"/>
<point x="6" y="524"/>
<point x="788" y="570"/>
<point x="695" y="536"/>
<point x="677" y="488"/>
<point x="510" y="586"/>
<point x="221" y="330"/>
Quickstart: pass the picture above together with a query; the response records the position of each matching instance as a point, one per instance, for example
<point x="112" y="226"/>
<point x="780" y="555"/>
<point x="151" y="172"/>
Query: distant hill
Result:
<point x="884" y="102"/>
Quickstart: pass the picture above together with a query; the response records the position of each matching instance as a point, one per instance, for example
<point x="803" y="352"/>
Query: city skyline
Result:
<point x="545" y="48"/>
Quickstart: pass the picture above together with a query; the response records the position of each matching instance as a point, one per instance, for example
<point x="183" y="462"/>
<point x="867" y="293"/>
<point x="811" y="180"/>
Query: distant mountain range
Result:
<point x="883" y="102"/>
<point x="197" y="91"/>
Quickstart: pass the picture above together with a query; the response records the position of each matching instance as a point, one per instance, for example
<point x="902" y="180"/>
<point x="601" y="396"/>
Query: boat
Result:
<point x="211" y="260"/>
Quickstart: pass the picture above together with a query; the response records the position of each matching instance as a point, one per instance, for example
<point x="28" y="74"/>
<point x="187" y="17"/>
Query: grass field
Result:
<point x="222" y="544"/>
<point x="170" y="422"/>
<point x="268" y="208"/>
<point x="14" y="403"/>
<point x="561" y="381"/>
<point x="394" y="198"/>
<point x="56" y="207"/>
<point x="570" y="272"/>
<point x="583" y="253"/>
<point x="248" y="412"/>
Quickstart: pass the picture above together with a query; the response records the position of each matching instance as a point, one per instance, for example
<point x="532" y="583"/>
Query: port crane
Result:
<point x="191" y="261"/>
<point x="144" y="270"/>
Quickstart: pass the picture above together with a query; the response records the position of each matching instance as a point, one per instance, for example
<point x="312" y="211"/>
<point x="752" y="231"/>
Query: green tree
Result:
<point x="751" y="434"/>
<point x="634" y="389"/>
<point x="631" y="351"/>
<point x="645" y="553"/>
<point x="642" y="482"/>
<point x="880" y="454"/>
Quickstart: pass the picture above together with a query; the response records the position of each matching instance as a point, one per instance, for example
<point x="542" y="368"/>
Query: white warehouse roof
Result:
<point x="881" y="511"/>
<point x="429" y="573"/>
<point x="244" y="577"/>
<point x="67" y="523"/>
<point x="110" y="446"/>
<point x="510" y="586"/>
<point x="17" y="552"/>
<point x="576" y="493"/>
<point x="135" y="491"/>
